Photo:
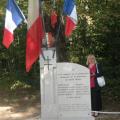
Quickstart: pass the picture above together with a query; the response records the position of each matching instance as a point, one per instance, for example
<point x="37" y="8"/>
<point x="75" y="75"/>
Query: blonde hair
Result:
<point x="91" y="56"/>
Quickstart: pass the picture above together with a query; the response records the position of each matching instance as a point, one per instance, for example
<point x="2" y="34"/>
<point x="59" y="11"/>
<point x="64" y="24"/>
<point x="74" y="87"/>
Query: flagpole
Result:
<point x="41" y="3"/>
<point x="57" y="38"/>
<point x="40" y="13"/>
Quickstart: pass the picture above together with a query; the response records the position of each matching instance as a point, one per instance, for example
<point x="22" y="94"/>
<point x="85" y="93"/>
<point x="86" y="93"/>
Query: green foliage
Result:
<point x="111" y="90"/>
<point x="97" y="32"/>
<point x="12" y="60"/>
<point x="20" y="85"/>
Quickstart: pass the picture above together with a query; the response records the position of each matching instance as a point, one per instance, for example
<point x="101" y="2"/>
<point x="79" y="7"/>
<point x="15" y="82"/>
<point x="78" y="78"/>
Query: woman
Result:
<point x="96" y="102"/>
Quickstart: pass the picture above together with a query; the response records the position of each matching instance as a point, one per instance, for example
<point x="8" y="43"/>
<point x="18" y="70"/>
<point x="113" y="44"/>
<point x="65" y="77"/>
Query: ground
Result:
<point x="25" y="105"/>
<point x="20" y="105"/>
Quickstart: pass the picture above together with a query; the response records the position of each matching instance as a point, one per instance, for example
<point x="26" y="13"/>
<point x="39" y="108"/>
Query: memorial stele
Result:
<point x="65" y="90"/>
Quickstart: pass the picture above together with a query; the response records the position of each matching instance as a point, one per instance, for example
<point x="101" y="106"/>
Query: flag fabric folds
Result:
<point x="71" y="16"/>
<point x="34" y="35"/>
<point x="13" y="18"/>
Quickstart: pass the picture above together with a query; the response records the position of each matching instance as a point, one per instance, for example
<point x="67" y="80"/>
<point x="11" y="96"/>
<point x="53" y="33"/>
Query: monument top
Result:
<point x="65" y="93"/>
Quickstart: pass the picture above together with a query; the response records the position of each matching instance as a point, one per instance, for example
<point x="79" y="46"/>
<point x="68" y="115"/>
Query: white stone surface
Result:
<point x="65" y="92"/>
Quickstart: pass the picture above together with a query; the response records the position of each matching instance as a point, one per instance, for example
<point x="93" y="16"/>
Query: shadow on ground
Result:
<point x="25" y="105"/>
<point x="19" y="105"/>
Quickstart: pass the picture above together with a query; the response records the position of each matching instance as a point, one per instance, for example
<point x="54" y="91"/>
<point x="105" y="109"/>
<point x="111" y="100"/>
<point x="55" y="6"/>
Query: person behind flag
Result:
<point x="71" y="16"/>
<point x="13" y="18"/>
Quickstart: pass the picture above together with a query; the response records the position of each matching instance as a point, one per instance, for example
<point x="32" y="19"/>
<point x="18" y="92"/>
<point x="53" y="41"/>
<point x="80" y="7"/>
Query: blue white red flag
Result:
<point x="14" y="17"/>
<point x="35" y="34"/>
<point x="71" y="16"/>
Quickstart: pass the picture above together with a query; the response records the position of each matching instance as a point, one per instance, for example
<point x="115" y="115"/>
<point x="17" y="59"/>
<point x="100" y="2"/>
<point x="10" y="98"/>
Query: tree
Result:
<point x="97" y="32"/>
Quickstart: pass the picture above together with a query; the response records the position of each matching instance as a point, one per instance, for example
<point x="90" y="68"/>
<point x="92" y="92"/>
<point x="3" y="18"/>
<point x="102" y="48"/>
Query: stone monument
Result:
<point x="65" y="90"/>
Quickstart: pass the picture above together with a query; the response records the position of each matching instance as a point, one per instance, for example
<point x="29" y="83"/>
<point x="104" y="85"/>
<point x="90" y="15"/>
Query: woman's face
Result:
<point x="91" y="60"/>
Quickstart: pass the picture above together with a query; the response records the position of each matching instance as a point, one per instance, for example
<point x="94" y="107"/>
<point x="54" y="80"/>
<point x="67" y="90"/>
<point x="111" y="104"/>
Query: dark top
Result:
<point x="100" y="71"/>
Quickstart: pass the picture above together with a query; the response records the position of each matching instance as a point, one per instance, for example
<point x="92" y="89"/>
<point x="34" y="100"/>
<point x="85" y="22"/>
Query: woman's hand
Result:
<point x="92" y="74"/>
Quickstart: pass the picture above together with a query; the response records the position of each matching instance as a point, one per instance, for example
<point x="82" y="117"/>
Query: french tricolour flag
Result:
<point x="34" y="35"/>
<point x="71" y="16"/>
<point x="14" y="17"/>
